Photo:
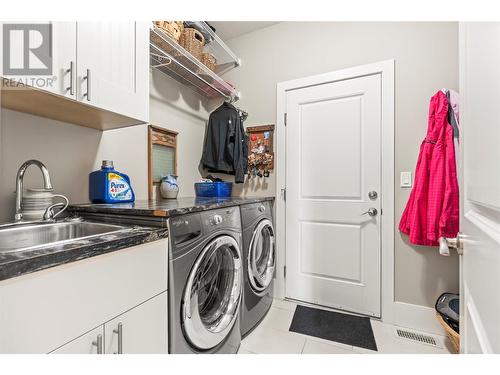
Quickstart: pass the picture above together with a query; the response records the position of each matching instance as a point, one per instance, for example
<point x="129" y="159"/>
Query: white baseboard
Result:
<point x="420" y="318"/>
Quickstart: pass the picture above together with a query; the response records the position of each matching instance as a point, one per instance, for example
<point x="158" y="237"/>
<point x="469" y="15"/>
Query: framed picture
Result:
<point x="162" y="156"/>
<point x="260" y="150"/>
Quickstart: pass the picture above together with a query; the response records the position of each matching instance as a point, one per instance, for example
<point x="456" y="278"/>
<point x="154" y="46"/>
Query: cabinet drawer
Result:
<point x="43" y="310"/>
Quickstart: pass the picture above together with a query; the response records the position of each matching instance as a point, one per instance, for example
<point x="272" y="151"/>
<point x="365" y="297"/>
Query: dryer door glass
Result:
<point x="262" y="256"/>
<point x="212" y="297"/>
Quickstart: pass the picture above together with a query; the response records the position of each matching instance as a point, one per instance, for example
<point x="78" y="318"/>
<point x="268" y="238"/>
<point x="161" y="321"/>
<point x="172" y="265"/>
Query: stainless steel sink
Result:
<point x="25" y="237"/>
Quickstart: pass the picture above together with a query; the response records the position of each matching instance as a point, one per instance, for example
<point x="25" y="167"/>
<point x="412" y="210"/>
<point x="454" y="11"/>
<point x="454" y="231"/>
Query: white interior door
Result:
<point x="333" y="153"/>
<point x="480" y="216"/>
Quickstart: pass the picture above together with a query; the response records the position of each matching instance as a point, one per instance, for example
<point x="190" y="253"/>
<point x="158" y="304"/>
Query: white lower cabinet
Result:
<point x="65" y="308"/>
<point x="89" y="343"/>
<point x="142" y="330"/>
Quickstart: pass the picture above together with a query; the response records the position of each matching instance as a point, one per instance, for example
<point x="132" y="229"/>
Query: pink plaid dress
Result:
<point x="432" y="210"/>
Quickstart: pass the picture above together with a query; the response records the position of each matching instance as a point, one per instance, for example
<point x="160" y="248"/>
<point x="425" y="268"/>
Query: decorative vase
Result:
<point x="168" y="187"/>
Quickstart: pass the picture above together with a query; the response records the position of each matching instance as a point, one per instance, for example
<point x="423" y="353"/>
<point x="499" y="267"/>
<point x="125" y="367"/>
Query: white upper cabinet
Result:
<point x="113" y="66"/>
<point x="57" y="40"/>
<point x="63" y="59"/>
<point x="104" y="65"/>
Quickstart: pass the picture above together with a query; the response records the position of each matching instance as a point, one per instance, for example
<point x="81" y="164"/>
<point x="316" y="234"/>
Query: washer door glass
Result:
<point x="261" y="256"/>
<point x="212" y="296"/>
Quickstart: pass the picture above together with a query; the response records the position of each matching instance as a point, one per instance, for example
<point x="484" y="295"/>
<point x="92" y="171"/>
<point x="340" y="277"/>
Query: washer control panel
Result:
<point x="217" y="219"/>
<point x="227" y="218"/>
<point x="184" y="228"/>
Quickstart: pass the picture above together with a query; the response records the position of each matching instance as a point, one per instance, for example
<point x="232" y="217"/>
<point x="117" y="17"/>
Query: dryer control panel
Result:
<point x="254" y="212"/>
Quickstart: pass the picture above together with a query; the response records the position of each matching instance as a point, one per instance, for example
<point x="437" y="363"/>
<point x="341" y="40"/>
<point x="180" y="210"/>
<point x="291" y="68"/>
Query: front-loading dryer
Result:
<point x="205" y="282"/>
<point x="259" y="258"/>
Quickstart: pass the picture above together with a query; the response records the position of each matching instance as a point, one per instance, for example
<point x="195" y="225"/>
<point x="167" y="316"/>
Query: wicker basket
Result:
<point x="209" y="61"/>
<point x="454" y="337"/>
<point x="192" y="41"/>
<point x="173" y="29"/>
<point x="163" y="45"/>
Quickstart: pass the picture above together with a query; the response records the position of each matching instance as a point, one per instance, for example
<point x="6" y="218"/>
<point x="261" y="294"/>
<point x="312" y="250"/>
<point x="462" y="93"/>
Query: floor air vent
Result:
<point x="418" y="337"/>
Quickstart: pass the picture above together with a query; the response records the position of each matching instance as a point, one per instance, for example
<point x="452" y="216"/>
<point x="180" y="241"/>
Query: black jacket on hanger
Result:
<point x="226" y="148"/>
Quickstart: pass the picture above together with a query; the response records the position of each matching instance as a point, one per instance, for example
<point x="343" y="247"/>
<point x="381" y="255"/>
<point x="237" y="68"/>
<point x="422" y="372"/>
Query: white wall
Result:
<point x="67" y="150"/>
<point x="426" y="57"/>
<point x="172" y="106"/>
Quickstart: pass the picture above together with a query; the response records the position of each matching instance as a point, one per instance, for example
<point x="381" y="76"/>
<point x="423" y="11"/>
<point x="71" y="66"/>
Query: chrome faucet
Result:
<point x="47" y="184"/>
<point x="49" y="214"/>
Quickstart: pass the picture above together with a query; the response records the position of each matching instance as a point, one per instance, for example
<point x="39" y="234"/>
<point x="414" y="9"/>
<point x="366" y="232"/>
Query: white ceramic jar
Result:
<point x="168" y="187"/>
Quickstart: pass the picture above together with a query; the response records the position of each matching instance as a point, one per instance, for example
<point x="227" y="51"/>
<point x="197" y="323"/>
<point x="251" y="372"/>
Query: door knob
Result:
<point x="445" y="244"/>
<point x="371" y="212"/>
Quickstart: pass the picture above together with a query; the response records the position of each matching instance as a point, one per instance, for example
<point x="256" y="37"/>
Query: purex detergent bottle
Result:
<point x="110" y="186"/>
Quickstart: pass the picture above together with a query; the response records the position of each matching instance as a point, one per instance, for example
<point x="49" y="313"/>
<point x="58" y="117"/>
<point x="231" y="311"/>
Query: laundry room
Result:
<point x="296" y="184"/>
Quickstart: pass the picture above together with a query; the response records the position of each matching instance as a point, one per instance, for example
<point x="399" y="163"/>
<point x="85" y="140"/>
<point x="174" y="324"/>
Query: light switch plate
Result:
<point x="405" y="179"/>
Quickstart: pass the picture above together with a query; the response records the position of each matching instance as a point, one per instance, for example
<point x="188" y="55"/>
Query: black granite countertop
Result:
<point x="22" y="262"/>
<point x="166" y="207"/>
<point x="27" y="261"/>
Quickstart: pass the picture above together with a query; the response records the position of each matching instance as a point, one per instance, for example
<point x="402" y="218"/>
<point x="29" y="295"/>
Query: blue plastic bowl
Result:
<point x="213" y="189"/>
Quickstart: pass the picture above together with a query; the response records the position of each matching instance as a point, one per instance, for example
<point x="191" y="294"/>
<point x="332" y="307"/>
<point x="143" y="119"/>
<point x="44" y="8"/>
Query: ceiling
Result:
<point x="231" y="29"/>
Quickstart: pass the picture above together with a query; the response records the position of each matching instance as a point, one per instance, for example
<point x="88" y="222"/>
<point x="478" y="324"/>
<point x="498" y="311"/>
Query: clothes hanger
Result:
<point x="242" y="113"/>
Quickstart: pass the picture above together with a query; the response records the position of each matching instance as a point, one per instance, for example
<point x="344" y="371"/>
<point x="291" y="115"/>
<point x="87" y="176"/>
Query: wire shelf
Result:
<point x="226" y="59"/>
<point x="170" y="58"/>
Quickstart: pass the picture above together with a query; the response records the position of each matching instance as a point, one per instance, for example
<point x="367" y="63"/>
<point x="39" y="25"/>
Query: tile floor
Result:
<point x="272" y="337"/>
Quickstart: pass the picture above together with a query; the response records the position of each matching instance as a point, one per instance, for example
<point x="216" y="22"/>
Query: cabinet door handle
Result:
<point x="119" y="332"/>
<point x="71" y="72"/>
<point x="87" y="78"/>
<point x="98" y="343"/>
